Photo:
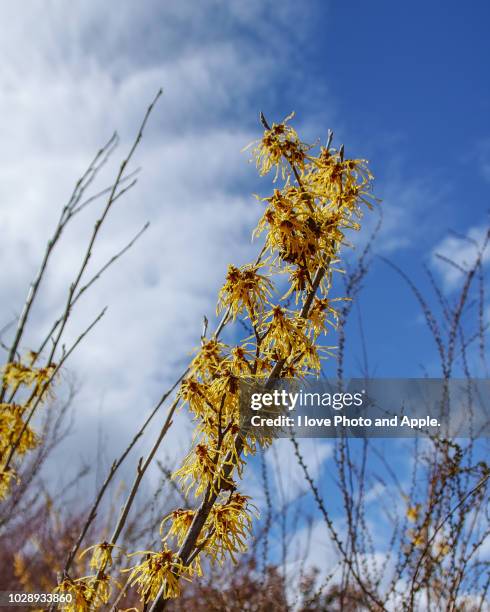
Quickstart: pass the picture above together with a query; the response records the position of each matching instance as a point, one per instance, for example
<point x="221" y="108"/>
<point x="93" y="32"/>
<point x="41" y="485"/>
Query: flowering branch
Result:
<point x="305" y="224"/>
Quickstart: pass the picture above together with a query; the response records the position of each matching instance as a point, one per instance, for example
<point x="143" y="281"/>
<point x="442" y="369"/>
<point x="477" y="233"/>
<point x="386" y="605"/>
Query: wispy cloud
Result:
<point x="288" y="476"/>
<point x="463" y="252"/>
<point x="70" y="76"/>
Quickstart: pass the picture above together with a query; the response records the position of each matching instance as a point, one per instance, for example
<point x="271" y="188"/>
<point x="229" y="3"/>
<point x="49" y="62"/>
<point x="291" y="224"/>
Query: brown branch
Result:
<point x="46" y="387"/>
<point x="212" y="492"/>
<point x="329" y="523"/>
<point x="475" y="489"/>
<point x="67" y="214"/>
<point x="140" y="472"/>
<point x="72" y="292"/>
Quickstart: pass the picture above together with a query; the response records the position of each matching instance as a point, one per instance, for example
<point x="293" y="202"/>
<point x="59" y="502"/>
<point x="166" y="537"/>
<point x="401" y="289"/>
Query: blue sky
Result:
<point x="410" y="90"/>
<point x="403" y="85"/>
<point x="406" y="87"/>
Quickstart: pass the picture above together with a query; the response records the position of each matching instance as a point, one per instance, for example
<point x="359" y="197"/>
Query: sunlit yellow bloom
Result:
<point x="413" y="513"/>
<point x="201" y="468"/>
<point x="263" y="365"/>
<point x="83" y="595"/>
<point x="11" y="426"/>
<point x="442" y="548"/>
<point x="292" y="230"/>
<point x="240" y="362"/>
<point x="318" y="316"/>
<point x="102" y="555"/>
<point x="342" y="182"/>
<point x="6" y="478"/>
<point x="89" y="593"/>
<point x="418" y="537"/>
<point x="225" y="382"/>
<point x="229" y="525"/>
<point x="181" y="520"/>
<point x="16" y="373"/>
<point x="249" y="446"/>
<point x="305" y="225"/>
<point x="198" y="395"/>
<point x="419" y="540"/>
<point x="245" y="289"/>
<point x="299" y="280"/>
<point x="309" y="356"/>
<point x="208" y="358"/>
<point x="283" y="334"/>
<point x="15" y="435"/>
<point x="279" y="147"/>
<point x="158" y="569"/>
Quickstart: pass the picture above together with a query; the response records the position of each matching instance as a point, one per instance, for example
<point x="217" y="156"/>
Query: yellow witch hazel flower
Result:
<point x="89" y="593"/>
<point x="245" y="289"/>
<point x="181" y="519"/>
<point x="159" y="568"/>
<point x="441" y="548"/>
<point x="16" y="373"/>
<point x="197" y="394"/>
<point x="15" y="435"/>
<point x="11" y="427"/>
<point x="83" y="594"/>
<point x="292" y="230"/>
<point x="413" y="513"/>
<point x="418" y="538"/>
<point x="6" y="478"/>
<point x="318" y="317"/>
<point x="202" y="468"/>
<point x="240" y="360"/>
<point x="103" y="584"/>
<point x="283" y="335"/>
<point x="226" y="383"/>
<point x="279" y="147"/>
<point x="338" y="181"/>
<point x="102" y="555"/>
<point x="229" y="525"/>
<point x="209" y="357"/>
<point x="299" y="280"/>
<point x="309" y="356"/>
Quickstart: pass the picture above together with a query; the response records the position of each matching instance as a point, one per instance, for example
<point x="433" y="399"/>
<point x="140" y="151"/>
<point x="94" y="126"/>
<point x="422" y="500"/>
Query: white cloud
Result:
<point x="311" y="547"/>
<point x="288" y="476"/>
<point x="374" y="492"/>
<point x="70" y="76"/>
<point x="463" y="252"/>
<point x="403" y="201"/>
